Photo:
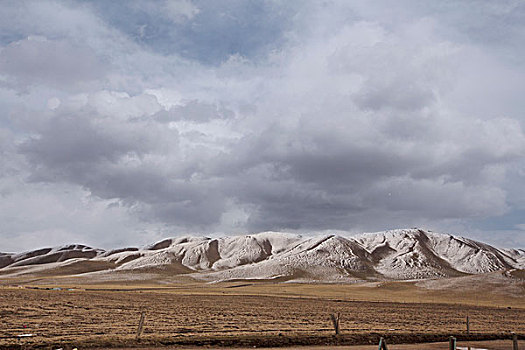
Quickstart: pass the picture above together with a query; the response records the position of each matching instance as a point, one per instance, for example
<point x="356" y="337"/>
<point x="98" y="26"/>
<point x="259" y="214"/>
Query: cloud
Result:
<point x="326" y="116"/>
<point x="195" y="111"/>
<point x="45" y="214"/>
<point x="204" y="31"/>
<point x="56" y="63"/>
<point x="180" y="10"/>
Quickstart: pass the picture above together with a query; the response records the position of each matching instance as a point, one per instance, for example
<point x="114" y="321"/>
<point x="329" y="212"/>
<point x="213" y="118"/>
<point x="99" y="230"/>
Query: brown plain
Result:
<point x="250" y="314"/>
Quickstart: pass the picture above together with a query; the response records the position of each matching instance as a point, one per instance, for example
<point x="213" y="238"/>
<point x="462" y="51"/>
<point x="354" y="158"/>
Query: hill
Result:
<point x="390" y="255"/>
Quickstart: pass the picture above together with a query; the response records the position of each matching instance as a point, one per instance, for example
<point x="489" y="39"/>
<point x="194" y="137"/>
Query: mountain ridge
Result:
<point x="402" y="254"/>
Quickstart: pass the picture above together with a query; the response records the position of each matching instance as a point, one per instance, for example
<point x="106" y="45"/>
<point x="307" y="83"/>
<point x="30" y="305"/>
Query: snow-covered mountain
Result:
<point x="396" y="254"/>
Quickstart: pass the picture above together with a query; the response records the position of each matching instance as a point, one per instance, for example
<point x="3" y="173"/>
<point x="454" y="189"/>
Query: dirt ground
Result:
<point x="108" y="318"/>
<point x="474" y="345"/>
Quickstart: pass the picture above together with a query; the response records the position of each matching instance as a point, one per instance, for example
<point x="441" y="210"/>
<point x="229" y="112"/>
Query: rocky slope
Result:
<point x="396" y="254"/>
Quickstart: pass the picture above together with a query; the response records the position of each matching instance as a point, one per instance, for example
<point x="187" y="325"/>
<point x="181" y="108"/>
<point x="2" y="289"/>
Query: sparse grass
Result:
<point x="518" y="274"/>
<point x="279" y="314"/>
<point x="484" y="291"/>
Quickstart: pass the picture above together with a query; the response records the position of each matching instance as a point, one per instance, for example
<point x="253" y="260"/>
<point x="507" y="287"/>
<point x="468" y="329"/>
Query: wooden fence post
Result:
<point x="382" y="344"/>
<point x="141" y="324"/>
<point x="335" y="322"/>
<point x="468" y="325"/>
<point x="514" y="341"/>
<point x="451" y="343"/>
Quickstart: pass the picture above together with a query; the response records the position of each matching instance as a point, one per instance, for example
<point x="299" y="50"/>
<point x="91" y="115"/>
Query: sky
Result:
<point x="123" y="122"/>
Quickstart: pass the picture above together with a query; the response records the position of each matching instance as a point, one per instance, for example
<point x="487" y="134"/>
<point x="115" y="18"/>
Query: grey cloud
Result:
<point x="195" y="111"/>
<point x="59" y="64"/>
<point x="124" y="160"/>
<point x="436" y="198"/>
<point x="82" y="138"/>
<point x="159" y="197"/>
<point x="347" y="163"/>
<point x="404" y="96"/>
<point x="309" y="190"/>
<point x="277" y="204"/>
<point x="66" y="140"/>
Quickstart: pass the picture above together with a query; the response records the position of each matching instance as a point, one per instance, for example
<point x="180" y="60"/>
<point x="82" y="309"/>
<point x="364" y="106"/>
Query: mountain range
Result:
<point x="403" y="254"/>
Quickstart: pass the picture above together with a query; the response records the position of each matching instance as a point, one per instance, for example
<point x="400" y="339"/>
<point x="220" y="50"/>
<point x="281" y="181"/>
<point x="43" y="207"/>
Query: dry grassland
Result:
<point x="237" y="314"/>
<point x="474" y="345"/>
